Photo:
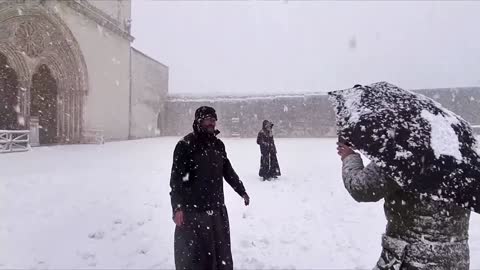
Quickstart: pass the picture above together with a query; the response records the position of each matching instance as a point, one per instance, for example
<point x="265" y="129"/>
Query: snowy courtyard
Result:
<point x="108" y="207"/>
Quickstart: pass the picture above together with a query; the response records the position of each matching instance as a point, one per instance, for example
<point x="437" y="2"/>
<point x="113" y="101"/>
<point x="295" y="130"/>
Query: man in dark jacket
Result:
<point x="200" y="163"/>
<point x="421" y="233"/>
<point x="269" y="167"/>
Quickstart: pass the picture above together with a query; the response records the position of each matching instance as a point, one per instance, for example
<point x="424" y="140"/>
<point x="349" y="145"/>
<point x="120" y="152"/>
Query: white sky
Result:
<point x="247" y="47"/>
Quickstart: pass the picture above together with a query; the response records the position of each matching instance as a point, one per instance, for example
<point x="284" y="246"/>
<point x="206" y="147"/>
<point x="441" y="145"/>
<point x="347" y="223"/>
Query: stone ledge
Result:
<point x="100" y="17"/>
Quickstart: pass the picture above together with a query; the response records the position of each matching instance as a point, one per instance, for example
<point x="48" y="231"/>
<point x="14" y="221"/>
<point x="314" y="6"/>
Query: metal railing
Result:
<point x="93" y="136"/>
<point x="14" y="141"/>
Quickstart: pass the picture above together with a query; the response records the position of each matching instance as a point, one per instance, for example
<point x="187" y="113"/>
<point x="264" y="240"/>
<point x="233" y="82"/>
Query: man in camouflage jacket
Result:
<point x="421" y="233"/>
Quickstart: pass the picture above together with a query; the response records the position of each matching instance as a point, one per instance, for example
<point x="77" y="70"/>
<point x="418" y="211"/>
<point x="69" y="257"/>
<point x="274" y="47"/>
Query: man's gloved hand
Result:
<point x="246" y="198"/>
<point x="178" y="218"/>
<point x="343" y="150"/>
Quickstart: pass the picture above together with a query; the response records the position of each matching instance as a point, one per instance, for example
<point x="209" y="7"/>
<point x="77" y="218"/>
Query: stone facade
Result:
<point x="66" y="68"/>
<point x="118" y="10"/>
<point x="105" y="46"/>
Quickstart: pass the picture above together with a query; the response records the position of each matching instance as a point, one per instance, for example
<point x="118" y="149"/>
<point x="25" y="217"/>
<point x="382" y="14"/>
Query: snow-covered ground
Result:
<point x="107" y="206"/>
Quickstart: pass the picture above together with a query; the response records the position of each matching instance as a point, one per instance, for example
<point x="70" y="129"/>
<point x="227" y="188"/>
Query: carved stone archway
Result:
<point x="34" y="36"/>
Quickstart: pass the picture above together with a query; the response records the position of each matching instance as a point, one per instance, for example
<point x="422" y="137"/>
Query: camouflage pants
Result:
<point x="393" y="254"/>
<point x="401" y="255"/>
<point x="388" y="261"/>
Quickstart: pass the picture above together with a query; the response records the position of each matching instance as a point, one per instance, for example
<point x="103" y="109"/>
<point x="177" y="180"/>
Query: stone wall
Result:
<point x="148" y="97"/>
<point x="309" y="115"/>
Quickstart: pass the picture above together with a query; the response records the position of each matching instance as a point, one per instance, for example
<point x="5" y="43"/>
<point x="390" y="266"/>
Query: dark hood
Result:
<point x="200" y="114"/>
<point x="265" y="124"/>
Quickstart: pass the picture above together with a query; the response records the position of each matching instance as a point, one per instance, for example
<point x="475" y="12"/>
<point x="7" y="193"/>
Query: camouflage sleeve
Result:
<point x="365" y="184"/>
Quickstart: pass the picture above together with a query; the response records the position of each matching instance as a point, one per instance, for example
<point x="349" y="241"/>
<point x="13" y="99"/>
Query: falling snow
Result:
<point x="110" y="204"/>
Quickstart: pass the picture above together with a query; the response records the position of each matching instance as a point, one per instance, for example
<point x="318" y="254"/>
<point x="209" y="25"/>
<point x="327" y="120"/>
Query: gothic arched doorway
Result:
<point x="51" y="72"/>
<point x="43" y="104"/>
<point x="9" y="106"/>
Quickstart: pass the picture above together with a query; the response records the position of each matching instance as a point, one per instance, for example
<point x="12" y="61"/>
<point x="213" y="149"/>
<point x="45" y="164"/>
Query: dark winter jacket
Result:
<point x="265" y="140"/>
<point x="420" y="233"/>
<point x="200" y="163"/>
<point x="269" y="167"/>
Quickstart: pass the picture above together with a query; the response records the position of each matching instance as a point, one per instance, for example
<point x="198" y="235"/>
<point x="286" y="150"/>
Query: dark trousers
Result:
<point x="203" y="242"/>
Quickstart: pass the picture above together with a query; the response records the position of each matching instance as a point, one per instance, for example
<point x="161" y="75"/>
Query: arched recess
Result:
<point x="43" y="104"/>
<point x="9" y="100"/>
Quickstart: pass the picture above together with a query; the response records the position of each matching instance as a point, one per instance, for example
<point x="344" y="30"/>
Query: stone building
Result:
<point x="69" y="74"/>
